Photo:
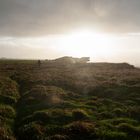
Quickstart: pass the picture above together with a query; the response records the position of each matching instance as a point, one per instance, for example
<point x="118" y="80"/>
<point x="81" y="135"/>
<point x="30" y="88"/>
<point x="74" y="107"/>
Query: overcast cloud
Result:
<point x="42" y="17"/>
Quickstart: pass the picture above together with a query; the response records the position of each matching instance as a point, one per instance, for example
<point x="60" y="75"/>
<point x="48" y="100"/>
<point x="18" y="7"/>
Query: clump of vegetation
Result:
<point x="8" y="87"/>
<point x="79" y="114"/>
<point x="131" y="130"/>
<point x="80" y="130"/>
<point x="33" y="131"/>
<point x="7" y="111"/>
<point x="119" y="112"/>
<point x="113" y="135"/>
<point x="5" y="134"/>
<point x="58" y="137"/>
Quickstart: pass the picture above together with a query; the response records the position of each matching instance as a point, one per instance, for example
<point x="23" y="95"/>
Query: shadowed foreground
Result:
<point x="69" y="101"/>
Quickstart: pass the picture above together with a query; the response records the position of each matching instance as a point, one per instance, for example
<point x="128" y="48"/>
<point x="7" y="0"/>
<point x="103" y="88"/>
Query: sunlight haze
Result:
<point x="104" y="30"/>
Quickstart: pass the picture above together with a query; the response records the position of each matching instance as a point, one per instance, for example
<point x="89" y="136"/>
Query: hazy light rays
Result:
<point x="99" y="46"/>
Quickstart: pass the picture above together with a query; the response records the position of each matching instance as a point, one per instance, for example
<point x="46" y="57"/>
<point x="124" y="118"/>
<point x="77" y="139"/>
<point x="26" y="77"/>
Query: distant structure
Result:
<point x="3" y="58"/>
<point x="67" y="59"/>
<point x="84" y="59"/>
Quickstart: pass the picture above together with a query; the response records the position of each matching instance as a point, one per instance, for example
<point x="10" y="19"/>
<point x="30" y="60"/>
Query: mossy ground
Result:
<point x="69" y="102"/>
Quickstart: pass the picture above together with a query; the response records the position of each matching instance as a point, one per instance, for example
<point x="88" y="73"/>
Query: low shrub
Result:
<point x="5" y="134"/>
<point x="7" y="111"/>
<point x="113" y="135"/>
<point x="105" y="115"/>
<point x="119" y="112"/>
<point x="129" y="129"/>
<point x="58" y="137"/>
<point x="9" y="88"/>
<point x="80" y="130"/>
<point x="7" y="99"/>
<point x="79" y="114"/>
<point x="31" y="131"/>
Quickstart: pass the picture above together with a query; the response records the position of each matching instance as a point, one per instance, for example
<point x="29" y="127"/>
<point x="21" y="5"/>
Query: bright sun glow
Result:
<point x="86" y="43"/>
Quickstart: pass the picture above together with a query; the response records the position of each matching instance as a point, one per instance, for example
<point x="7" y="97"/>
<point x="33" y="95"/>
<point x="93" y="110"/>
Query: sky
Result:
<point x="105" y="30"/>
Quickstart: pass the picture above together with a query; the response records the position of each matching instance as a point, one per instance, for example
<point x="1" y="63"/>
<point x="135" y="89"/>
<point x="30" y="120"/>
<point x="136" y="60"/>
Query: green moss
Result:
<point x="7" y="111"/>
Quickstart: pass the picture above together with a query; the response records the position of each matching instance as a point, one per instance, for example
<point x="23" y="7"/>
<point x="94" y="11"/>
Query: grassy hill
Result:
<point x="69" y="101"/>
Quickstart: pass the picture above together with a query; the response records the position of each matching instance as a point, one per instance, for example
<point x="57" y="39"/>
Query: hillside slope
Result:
<point x="57" y="101"/>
